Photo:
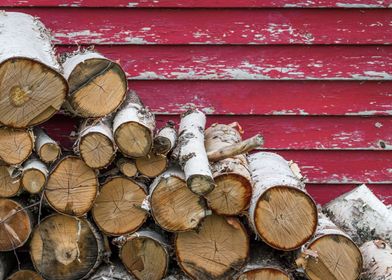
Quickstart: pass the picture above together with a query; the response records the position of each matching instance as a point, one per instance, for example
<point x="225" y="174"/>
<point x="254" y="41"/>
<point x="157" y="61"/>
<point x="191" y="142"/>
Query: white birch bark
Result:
<point x="377" y="260"/>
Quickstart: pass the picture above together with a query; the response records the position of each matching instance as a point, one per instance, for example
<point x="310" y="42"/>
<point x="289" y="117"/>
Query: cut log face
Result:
<point x="72" y="187"/>
<point x="15" y="145"/>
<point x="216" y="251"/>
<point x="127" y="167"/>
<point x="31" y="88"/>
<point x="47" y="149"/>
<point x="281" y="212"/>
<point x="165" y="140"/>
<point x="97" y="85"/>
<point x="264" y="274"/>
<point x="9" y="186"/>
<point x="152" y="165"/>
<point x="15" y="225"/>
<point x="117" y="209"/>
<point x="25" y="275"/>
<point x="173" y="205"/>
<point x="377" y="260"/>
<point x="66" y="248"/>
<point x="34" y="176"/>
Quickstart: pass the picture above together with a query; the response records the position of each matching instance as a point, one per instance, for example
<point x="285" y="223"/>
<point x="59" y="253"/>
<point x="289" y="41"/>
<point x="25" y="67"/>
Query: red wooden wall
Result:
<point x="314" y="77"/>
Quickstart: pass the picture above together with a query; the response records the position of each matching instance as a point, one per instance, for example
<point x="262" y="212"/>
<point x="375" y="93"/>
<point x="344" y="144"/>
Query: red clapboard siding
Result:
<point x="252" y="62"/>
<point x="268" y="97"/>
<point x="216" y="26"/>
<point x="203" y="3"/>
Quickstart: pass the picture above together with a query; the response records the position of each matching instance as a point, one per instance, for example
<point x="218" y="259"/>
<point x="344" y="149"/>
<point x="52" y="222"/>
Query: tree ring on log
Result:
<point x="9" y="186"/>
<point x="16" y="145"/>
<point x="25" y="274"/>
<point x="49" y="152"/>
<point x="264" y="274"/>
<point x="133" y="139"/>
<point x="96" y="149"/>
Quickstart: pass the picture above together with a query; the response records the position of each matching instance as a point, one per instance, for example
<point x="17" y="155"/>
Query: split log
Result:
<point x="233" y="189"/>
<point x="9" y="181"/>
<point x="31" y="88"/>
<point x="34" y="176"/>
<point x="95" y="143"/>
<point x="6" y="264"/>
<point x="15" y="225"/>
<point x="152" y="165"/>
<point x="97" y="85"/>
<point x="281" y="212"/>
<point x="127" y="167"/>
<point x="330" y="254"/>
<point x="377" y="260"/>
<point x="25" y="275"/>
<point x="16" y="145"/>
<point x="165" y="140"/>
<point x="118" y="207"/>
<point x="145" y="254"/>
<point x="218" y="250"/>
<point x="362" y="215"/>
<point x="173" y="206"/>
<point x="191" y="153"/>
<point x="47" y="149"/>
<point x="112" y="271"/>
<point x="72" y="187"/>
<point x="133" y="128"/>
<point x="65" y="247"/>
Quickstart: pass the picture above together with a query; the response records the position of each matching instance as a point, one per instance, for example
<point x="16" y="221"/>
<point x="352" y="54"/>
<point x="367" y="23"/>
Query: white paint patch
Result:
<point x="148" y="75"/>
<point x="378" y="124"/>
<point x="354" y="5"/>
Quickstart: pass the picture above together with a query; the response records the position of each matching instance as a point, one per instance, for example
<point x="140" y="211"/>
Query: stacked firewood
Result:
<point x="131" y="201"/>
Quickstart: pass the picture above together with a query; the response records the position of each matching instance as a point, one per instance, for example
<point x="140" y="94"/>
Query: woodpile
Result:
<point x="137" y="200"/>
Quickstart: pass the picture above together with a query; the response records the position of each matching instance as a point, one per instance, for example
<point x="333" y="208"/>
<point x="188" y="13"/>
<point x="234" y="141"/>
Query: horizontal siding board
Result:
<point x="252" y="62"/>
<point x="216" y="26"/>
<point x="268" y="97"/>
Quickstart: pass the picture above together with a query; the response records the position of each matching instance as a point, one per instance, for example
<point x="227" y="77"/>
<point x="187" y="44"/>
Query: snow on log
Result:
<point x="166" y="139"/>
<point x="34" y="176"/>
<point x="16" y="145"/>
<point x="377" y="260"/>
<point x="47" y="149"/>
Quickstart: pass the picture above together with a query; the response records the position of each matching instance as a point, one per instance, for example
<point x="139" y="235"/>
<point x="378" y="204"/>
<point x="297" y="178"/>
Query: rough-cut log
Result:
<point x="377" y="260"/>
<point x="133" y="128"/>
<point x="96" y="143"/>
<point x="16" y="145"/>
<point x="25" y="275"/>
<point x="31" y="88"/>
<point x="15" y="225"/>
<point x="47" y="149"/>
<point x="118" y="207"/>
<point x="9" y="181"/>
<point x="97" y="86"/>
<point x="152" y="165"/>
<point x="66" y="248"/>
<point x="191" y="153"/>
<point x="173" y="206"/>
<point x="165" y="140"/>
<point x="127" y="167"/>
<point x="233" y="189"/>
<point x="218" y="250"/>
<point x="34" y="176"/>
<point x="112" y="271"/>
<point x="6" y="264"/>
<point x="145" y="254"/>
<point x="281" y="212"/>
<point x="72" y="187"/>
<point x="330" y="254"/>
<point x="362" y="215"/>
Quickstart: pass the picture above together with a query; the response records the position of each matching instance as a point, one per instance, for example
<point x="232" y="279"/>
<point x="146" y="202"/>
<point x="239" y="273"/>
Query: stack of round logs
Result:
<point x="168" y="203"/>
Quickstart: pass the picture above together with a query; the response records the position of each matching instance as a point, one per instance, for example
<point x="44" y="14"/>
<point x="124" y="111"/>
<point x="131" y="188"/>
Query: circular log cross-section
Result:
<point x="117" y="209"/>
<point x="97" y="85"/>
<point x="65" y="248"/>
<point x="72" y="187"/>
<point x="34" y="176"/>
<point x="15" y="225"/>
<point x="217" y="251"/>
<point x="47" y="149"/>
<point x="127" y="167"/>
<point x="151" y="165"/>
<point x="25" y="275"/>
<point x="9" y="186"/>
<point x="31" y="88"/>
<point x="16" y="145"/>
<point x="264" y="274"/>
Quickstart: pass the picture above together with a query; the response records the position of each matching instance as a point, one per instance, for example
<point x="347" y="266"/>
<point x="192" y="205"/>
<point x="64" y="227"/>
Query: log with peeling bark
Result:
<point x="218" y="250"/>
<point x="10" y="184"/>
<point x="15" y="225"/>
<point x="330" y="254"/>
<point x="34" y="176"/>
<point x="145" y="254"/>
<point x="377" y="260"/>
<point x="191" y="154"/>
<point x="46" y="148"/>
<point x="174" y="206"/>
<point x="152" y="165"/>
<point x="362" y="215"/>
<point x="65" y="247"/>
<point x="97" y="85"/>
<point x="6" y="264"/>
<point x="280" y="212"/>
<point x="233" y="189"/>
<point x="31" y="87"/>
<point x="95" y="143"/>
<point x="16" y="145"/>
<point x="127" y="167"/>
<point x="72" y="186"/>
<point x="133" y="127"/>
<point x="118" y="207"/>
<point x="166" y="139"/>
<point x="25" y="274"/>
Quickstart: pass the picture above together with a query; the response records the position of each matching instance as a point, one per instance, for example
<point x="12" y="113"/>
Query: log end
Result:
<point x="264" y="274"/>
<point x="9" y="186"/>
<point x="25" y="275"/>
<point x="16" y="145"/>
<point x="127" y="167"/>
<point x="97" y="150"/>
<point x="49" y="152"/>
<point x="133" y="139"/>
<point x="33" y="180"/>
<point x="200" y="184"/>
<point x="152" y="165"/>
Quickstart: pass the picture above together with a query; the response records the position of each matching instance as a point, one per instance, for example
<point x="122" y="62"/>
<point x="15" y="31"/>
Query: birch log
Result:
<point x="330" y="254"/>
<point x="377" y="260"/>
<point x="66" y="248"/>
<point x="191" y="153"/>
<point x="34" y="176"/>
<point x="280" y="212"/>
<point x="97" y="85"/>
<point x="362" y="215"/>
<point x="165" y="140"/>
<point x="152" y="165"/>
<point x="31" y="88"/>
<point x="133" y="128"/>
<point x="16" y="145"/>
<point x="218" y="250"/>
<point x="127" y="167"/>
<point x="47" y="149"/>
<point x="25" y="274"/>
<point x="9" y="181"/>
<point x="173" y="206"/>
